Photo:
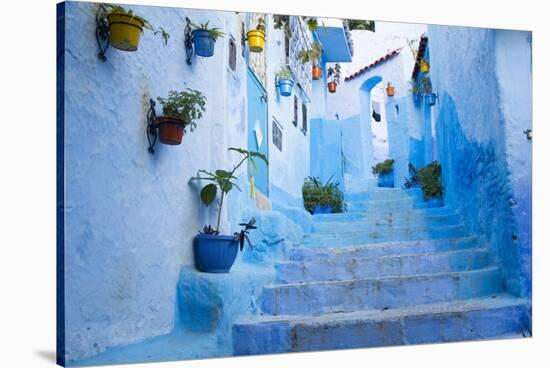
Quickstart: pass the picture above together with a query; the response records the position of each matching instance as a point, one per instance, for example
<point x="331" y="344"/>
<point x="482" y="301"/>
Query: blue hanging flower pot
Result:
<point x="203" y="43"/>
<point x="285" y="87"/>
<point x="430" y="99"/>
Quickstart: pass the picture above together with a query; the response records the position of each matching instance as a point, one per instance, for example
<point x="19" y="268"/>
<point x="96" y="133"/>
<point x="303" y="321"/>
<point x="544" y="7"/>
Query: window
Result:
<point x="304" y="118"/>
<point x="295" y="119"/>
<point x="277" y="134"/>
<point x="232" y="54"/>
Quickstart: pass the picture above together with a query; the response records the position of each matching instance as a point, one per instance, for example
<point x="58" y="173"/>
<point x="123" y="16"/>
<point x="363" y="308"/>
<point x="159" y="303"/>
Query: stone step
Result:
<point x="352" y="216"/>
<point x="385" y="266"/>
<point x="388" y="219"/>
<point x="382" y="194"/>
<point x="379" y="235"/>
<point x="473" y="319"/>
<point x="384" y="249"/>
<point x="378" y="293"/>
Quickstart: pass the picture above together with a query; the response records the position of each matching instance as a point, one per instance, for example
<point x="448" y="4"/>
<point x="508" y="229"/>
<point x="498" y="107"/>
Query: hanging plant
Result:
<point x="429" y="96"/>
<point x="125" y="27"/>
<point x="256" y="37"/>
<point x="424" y="66"/>
<point x="204" y="39"/>
<point x="334" y="76"/>
<point x="359" y="24"/>
<point x="282" y="22"/>
<point x="180" y="110"/>
<point x="285" y="81"/>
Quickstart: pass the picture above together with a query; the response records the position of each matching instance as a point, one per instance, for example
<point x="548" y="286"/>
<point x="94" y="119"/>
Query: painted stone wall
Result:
<point x="479" y="137"/>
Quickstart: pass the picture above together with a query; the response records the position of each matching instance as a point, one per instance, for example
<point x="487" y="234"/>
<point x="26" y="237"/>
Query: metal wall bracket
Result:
<point x="188" y="41"/>
<point x="102" y="32"/>
<point x="528" y="134"/>
<point x="151" y="126"/>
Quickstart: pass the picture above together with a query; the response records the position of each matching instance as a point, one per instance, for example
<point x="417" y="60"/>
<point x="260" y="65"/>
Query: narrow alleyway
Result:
<point x="384" y="273"/>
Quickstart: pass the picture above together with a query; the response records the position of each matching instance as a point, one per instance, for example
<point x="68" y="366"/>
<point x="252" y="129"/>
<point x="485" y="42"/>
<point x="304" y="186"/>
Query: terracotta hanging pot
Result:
<point x="171" y="130"/>
<point x="331" y="87"/>
<point x="390" y="90"/>
<point x="316" y="72"/>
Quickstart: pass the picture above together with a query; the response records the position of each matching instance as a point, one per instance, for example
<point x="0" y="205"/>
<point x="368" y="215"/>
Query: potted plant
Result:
<point x="204" y="39"/>
<point x="334" y="75"/>
<point x="285" y="81"/>
<point x="424" y="66"/>
<point x="179" y="110"/>
<point x="384" y="171"/>
<point x="390" y="90"/>
<point x="312" y="55"/>
<point x="216" y="253"/>
<point x="322" y="198"/>
<point x="256" y="37"/>
<point x="429" y="96"/>
<point x="125" y="27"/>
<point x="429" y="179"/>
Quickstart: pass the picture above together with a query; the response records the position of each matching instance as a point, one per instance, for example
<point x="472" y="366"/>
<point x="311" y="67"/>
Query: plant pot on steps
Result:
<point x="316" y="72"/>
<point x="256" y="40"/>
<point x="171" y="130"/>
<point x="434" y="202"/>
<point x="331" y="87"/>
<point x="215" y="253"/>
<point x="285" y="87"/>
<point x="203" y="43"/>
<point x="386" y="180"/>
<point x="124" y="31"/>
<point x="318" y="209"/>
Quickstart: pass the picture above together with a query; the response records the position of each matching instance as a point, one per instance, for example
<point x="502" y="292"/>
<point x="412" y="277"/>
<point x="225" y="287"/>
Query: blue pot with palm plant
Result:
<point x="384" y="171"/>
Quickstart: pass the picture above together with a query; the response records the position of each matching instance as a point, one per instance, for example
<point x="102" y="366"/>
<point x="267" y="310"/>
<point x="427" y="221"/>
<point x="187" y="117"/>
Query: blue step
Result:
<point x="380" y="205"/>
<point x="381" y="234"/>
<point x="385" y="266"/>
<point x="353" y="216"/>
<point x="384" y="249"/>
<point x="378" y="292"/>
<point x="473" y="319"/>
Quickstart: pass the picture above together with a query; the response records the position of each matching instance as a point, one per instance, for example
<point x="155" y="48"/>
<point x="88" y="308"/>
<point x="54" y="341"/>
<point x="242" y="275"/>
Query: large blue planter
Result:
<point x="386" y="180"/>
<point x="322" y="209"/>
<point x="285" y="87"/>
<point x="434" y="202"/>
<point x="430" y="99"/>
<point x="203" y="43"/>
<point x="215" y="253"/>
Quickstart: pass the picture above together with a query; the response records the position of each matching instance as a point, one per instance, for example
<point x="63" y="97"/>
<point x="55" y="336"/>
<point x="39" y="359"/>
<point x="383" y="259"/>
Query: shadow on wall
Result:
<point x="476" y="181"/>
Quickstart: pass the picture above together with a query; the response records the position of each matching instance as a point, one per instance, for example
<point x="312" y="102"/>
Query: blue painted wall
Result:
<point x="475" y="144"/>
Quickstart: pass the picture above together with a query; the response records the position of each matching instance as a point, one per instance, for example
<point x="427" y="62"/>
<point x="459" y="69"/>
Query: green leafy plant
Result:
<point x="429" y="179"/>
<point x="359" y="24"/>
<point x="312" y="23"/>
<point x="242" y="235"/>
<point x="311" y="55"/>
<point x="284" y="73"/>
<point x="282" y="22"/>
<point x="215" y="32"/>
<point x="413" y="46"/>
<point x="260" y="26"/>
<point x="426" y="84"/>
<point x="225" y="180"/>
<point x="188" y="105"/>
<point x="414" y="86"/>
<point x="384" y="167"/>
<point x="329" y="194"/>
<point x="334" y="73"/>
<point x="114" y="8"/>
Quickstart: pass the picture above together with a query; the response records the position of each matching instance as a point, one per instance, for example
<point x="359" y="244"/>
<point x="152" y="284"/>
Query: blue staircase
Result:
<point x="384" y="273"/>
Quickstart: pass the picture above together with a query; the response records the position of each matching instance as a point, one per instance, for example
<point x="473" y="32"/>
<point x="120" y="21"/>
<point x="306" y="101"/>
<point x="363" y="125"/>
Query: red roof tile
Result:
<point x="386" y="57"/>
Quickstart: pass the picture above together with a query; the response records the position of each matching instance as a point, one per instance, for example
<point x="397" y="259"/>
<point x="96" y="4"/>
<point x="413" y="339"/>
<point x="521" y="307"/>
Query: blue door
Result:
<point x="257" y="129"/>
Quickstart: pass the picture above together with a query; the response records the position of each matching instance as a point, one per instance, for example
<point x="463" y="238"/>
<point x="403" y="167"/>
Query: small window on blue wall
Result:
<point x="304" y="118"/>
<point x="277" y="134"/>
<point x="232" y="54"/>
<point x="396" y="109"/>
<point x="295" y="119"/>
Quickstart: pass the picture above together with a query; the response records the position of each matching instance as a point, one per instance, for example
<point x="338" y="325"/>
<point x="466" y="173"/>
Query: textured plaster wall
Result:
<point x="131" y="216"/>
<point x="478" y="140"/>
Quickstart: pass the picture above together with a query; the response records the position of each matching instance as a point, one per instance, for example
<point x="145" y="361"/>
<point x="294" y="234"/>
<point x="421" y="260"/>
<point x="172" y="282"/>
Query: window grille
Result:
<point x="300" y="40"/>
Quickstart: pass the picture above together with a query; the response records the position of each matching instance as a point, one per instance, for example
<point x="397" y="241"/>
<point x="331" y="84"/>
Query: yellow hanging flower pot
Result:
<point x="256" y="40"/>
<point x="125" y="31"/>
<point x="424" y="66"/>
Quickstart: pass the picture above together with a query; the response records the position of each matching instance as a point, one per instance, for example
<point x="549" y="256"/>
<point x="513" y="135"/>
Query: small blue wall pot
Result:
<point x="318" y="209"/>
<point x="430" y="99"/>
<point x="285" y="87"/>
<point x="203" y="43"/>
<point x="215" y="253"/>
<point x="386" y="180"/>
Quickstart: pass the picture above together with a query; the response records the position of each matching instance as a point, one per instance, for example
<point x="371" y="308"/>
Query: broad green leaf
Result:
<point x="226" y="186"/>
<point x="208" y="194"/>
